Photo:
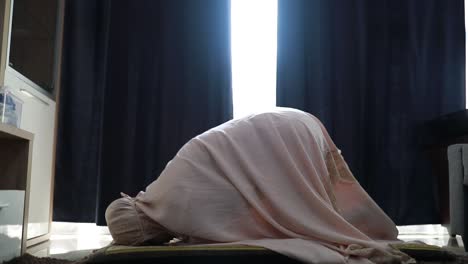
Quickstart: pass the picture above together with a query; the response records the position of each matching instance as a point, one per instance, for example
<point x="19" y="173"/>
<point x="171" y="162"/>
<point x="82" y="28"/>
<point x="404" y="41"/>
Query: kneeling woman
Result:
<point x="274" y="180"/>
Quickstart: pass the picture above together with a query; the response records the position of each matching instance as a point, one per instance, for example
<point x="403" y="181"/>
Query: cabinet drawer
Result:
<point x="11" y="223"/>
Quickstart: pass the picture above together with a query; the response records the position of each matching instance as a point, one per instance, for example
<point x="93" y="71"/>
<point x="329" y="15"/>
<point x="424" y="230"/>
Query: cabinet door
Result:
<point x="38" y="117"/>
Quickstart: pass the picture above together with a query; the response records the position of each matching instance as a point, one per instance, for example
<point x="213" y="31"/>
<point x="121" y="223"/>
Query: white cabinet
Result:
<point x="34" y="49"/>
<point x="11" y="223"/>
<point x="38" y="117"/>
<point x="15" y="172"/>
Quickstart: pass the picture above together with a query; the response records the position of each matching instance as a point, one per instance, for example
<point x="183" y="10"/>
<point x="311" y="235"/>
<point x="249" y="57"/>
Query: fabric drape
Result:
<point x="373" y="72"/>
<point x="276" y="180"/>
<point x="140" y="78"/>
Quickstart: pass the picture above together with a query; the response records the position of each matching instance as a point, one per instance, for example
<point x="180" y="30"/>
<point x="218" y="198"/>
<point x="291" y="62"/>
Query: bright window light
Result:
<point x="253" y="51"/>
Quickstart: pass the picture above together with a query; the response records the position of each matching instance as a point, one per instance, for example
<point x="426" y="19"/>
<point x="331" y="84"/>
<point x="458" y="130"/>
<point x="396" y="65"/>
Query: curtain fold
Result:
<point x="374" y="72"/>
<point x="140" y="78"/>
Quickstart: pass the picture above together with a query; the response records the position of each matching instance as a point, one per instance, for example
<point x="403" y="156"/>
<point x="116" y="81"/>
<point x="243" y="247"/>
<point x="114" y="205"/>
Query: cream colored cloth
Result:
<point x="129" y="226"/>
<point x="274" y="180"/>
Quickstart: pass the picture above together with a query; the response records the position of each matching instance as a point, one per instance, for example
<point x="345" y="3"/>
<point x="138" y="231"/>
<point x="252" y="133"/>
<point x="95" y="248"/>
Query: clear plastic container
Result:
<point x="10" y="107"/>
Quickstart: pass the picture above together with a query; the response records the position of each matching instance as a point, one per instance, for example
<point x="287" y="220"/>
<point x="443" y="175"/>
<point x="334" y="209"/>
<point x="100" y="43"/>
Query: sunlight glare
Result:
<point x="253" y="44"/>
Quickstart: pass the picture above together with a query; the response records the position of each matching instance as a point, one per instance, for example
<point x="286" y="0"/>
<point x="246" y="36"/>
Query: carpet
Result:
<point x="424" y="254"/>
<point x="30" y="259"/>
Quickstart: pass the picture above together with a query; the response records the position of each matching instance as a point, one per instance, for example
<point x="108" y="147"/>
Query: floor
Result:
<point x="68" y="237"/>
<point x="83" y="238"/>
<point x="436" y="235"/>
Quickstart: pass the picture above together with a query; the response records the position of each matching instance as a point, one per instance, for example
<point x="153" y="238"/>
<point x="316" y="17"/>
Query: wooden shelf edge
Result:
<point x="17" y="132"/>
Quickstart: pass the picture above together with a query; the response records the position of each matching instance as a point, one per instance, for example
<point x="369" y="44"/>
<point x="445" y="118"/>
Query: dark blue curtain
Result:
<point x="374" y="72"/>
<point x="140" y="78"/>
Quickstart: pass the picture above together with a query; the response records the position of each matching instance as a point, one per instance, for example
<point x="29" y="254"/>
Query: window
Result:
<point x="253" y="44"/>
